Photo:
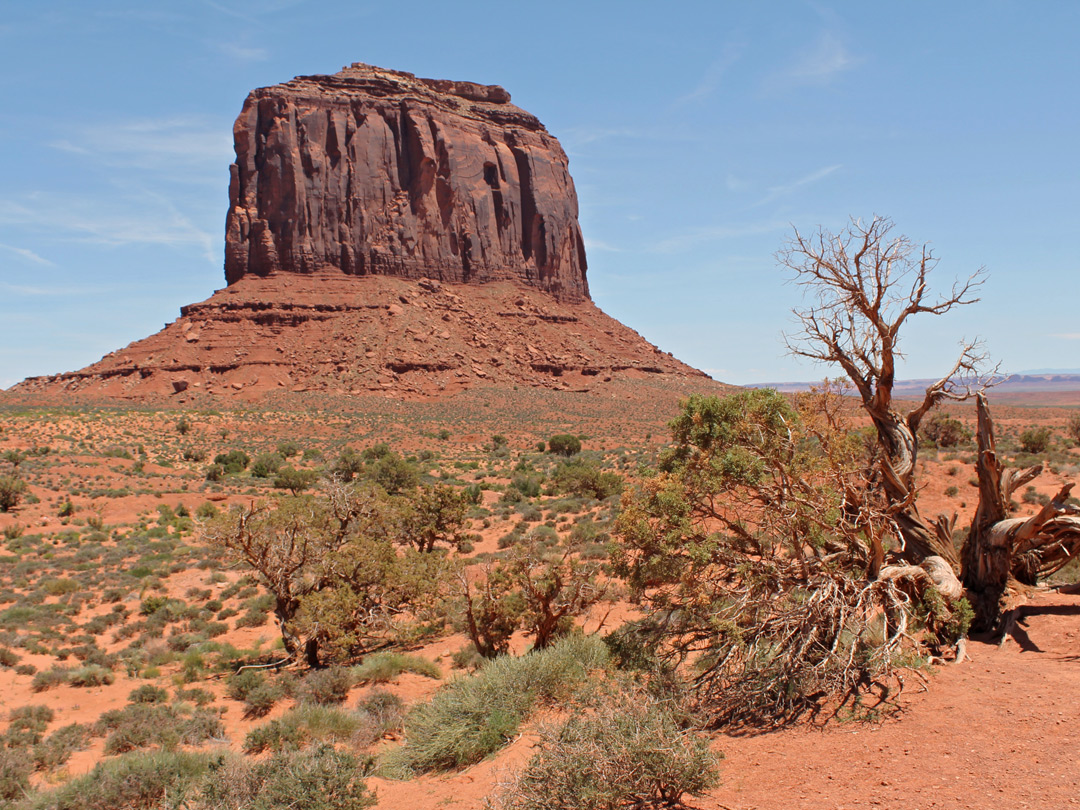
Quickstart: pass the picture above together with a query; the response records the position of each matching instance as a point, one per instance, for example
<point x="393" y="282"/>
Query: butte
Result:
<point x="386" y="235"/>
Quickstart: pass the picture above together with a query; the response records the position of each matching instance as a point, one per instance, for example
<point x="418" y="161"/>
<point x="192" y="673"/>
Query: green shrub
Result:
<point x="320" y="778"/>
<point x="148" y="693"/>
<point x="564" y="444"/>
<point x="138" y="781"/>
<point x="58" y="747"/>
<point x="232" y="463"/>
<point x="324" y="687"/>
<point x="146" y="725"/>
<point x="942" y="430"/>
<point x="385" y="666"/>
<point x="49" y="678"/>
<point x="27" y="726"/>
<point x="91" y="675"/>
<point x="1035" y="440"/>
<point x="12" y="490"/>
<point x="632" y="751"/>
<point x="266" y="465"/>
<point x="475" y="715"/>
<point x="303" y="726"/>
<point x="16" y="766"/>
<point x="296" y="481"/>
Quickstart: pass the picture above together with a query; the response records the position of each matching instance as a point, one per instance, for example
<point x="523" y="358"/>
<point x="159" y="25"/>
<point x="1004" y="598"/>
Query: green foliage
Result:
<point x="233" y="462"/>
<point x="16" y="766"/>
<point x="12" y="490"/>
<point x="146" y="725"/>
<point x="434" y="515"/>
<point x="1072" y="427"/>
<point x="741" y="548"/>
<point x="305" y="725"/>
<point x="633" y="750"/>
<point x="385" y="666"/>
<point x="1035" y="440"/>
<point x="138" y="781"/>
<point x="942" y="430"/>
<point x="266" y="465"/>
<point x="296" y="481"/>
<point x="394" y="474"/>
<point x="288" y="448"/>
<point x="324" y="687"/>
<point x="318" y="778"/>
<point x="585" y="478"/>
<point x="564" y="444"/>
<point x="476" y="715"/>
<point x="58" y="747"/>
<point x="148" y="693"/>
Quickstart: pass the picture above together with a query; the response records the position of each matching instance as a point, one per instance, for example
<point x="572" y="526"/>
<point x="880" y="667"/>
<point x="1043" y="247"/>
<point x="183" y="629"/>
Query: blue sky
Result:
<point x="698" y="133"/>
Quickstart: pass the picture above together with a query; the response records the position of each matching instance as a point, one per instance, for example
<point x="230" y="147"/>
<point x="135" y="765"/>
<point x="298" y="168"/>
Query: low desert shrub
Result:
<point x="476" y="715"/>
<point x="15" y="769"/>
<point x="633" y="750"/>
<point x="57" y="748"/>
<point x="324" y="687"/>
<point x="384" y="667"/>
<point x="304" y="726"/>
<point x="319" y="778"/>
<point x="137" y="781"/>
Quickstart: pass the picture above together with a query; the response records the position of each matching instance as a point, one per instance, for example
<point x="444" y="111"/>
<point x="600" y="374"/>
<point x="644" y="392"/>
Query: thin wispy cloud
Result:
<point x="825" y="60"/>
<point x="696" y="236"/>
<point x="713" y="75"/>
<point x="1067" y="335"/>
<point x="819" y="64"/>
<point x="26" y="254"/>
<point x="163" y="144"/>
<point x="777" y="192"/>
<point x="602" y="247"/>
<point x="52" y="292"/>
<point x="147" y="220"/>
<point x="241" y="53"/>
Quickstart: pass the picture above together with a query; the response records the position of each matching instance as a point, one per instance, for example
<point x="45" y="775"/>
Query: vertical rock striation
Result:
<point x="377" y="172"/>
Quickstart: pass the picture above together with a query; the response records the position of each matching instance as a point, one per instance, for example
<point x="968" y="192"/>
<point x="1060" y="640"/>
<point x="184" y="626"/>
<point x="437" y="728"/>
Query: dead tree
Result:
<point x="867" y="283"/>
<point x="1002" y="554"/>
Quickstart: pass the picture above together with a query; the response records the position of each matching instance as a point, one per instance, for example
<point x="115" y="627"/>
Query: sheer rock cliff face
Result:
<point x="377" y="172"/>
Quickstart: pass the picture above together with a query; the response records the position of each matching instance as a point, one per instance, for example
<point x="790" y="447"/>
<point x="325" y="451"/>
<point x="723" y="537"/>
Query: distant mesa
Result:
<point x="386" y="234"/>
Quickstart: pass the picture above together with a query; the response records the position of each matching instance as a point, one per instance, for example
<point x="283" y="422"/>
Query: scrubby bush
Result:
<point x="232" y="463"/>
<point x="324" y="687"/>
<point x="266" y="465"/>
<point x="1035" y="440"/>
<point x="475" y="715"/>
<point x="585" y="478"/>
<point x="137" y="781"/>
<point x="385" y="666"/>
<point x="564" y="444"/>
<point x="303" y="726"/>
<point x="296" y="481"/>
<point x="146" y="725"/>
<point x="12" y="490"/>
<point x="942" y="430"/>
<point x="148" y="693"/>
<point x="319" y="778"/>
<point x="15" y="769"/>
<point x="632" y="751"/>
<point x="58" y="747"/>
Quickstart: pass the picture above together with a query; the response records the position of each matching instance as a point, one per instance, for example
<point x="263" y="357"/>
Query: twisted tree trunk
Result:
<point x="1003" y="554"/>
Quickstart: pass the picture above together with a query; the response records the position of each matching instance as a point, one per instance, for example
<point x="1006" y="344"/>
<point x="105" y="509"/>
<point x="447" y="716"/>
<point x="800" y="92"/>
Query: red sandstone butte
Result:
<point x="377" y="172"/>
<point x="386" y="235"/>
